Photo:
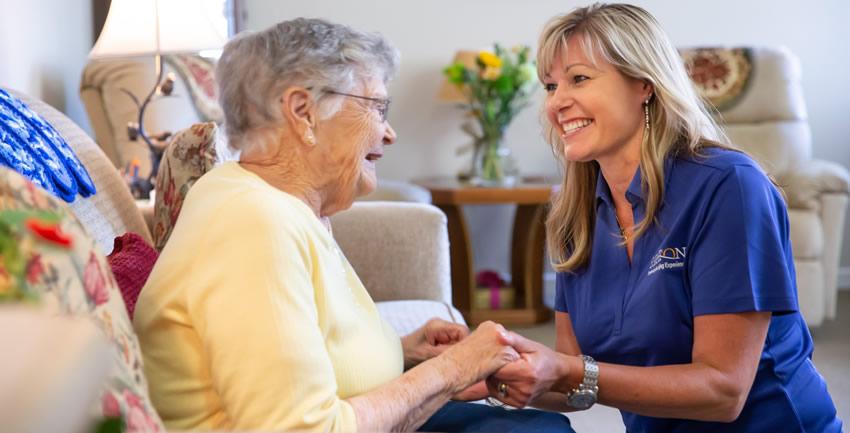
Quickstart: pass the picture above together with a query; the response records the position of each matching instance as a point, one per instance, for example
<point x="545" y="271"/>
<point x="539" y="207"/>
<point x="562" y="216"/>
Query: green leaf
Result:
<point x="505" y="85"/>
<point x="109" y="425"/>
<point x="456" y="73"/>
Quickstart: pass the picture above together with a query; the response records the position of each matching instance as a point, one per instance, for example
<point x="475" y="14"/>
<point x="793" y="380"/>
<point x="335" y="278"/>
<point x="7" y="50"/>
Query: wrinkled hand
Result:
<point x="477" y="356"/>
<point x="431" y="340"/>
<point x="477" y="391"/>
<point x="533" y="374"/>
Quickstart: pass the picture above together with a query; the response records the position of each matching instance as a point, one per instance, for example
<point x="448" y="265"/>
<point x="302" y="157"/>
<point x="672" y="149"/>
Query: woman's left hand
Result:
<point x="533" y="374"/>
<point x="431" y="340"/>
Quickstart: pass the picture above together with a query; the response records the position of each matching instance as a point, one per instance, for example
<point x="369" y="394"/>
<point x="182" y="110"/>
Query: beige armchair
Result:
<point x="759" y="97"/>
<point x="109" y="108"/>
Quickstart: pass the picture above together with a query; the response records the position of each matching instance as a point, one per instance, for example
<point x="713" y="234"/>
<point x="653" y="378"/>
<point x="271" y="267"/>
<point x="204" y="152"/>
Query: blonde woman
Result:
<point x="676" y="297"/>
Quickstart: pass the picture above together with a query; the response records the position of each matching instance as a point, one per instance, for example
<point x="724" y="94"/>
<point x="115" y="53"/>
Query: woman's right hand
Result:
<point x="535" y="372"/>
<point x="479" y="355"/>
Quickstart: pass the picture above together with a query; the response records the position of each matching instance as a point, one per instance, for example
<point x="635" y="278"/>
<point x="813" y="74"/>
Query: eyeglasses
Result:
<point x="382" y="105"/>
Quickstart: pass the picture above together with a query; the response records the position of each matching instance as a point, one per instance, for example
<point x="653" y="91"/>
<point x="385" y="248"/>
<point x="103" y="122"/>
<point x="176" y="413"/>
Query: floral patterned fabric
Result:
<point x="199" y="75"/>
<point x="49" y="260"/>
<point x="190" y="154"/>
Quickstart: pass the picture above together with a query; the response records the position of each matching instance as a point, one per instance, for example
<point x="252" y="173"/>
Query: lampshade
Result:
<point x="451" y="92"/>
<point x="145" y="27"/>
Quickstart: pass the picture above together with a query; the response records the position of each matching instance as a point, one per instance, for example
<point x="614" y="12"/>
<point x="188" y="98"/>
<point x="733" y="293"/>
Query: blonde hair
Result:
<point x="631" y="40"/>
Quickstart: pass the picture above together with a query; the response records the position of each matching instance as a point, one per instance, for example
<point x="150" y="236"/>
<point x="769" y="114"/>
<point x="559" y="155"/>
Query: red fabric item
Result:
<point x="132" y="260"/>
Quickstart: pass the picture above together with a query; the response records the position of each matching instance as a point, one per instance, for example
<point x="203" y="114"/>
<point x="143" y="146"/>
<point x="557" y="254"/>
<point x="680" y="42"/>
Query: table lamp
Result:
<point x="156" y="27"/>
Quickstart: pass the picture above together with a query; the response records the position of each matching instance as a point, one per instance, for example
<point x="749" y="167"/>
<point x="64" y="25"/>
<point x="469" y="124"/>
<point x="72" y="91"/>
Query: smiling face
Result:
<point x="595" y="109"/>
<point x="351" y="142"/>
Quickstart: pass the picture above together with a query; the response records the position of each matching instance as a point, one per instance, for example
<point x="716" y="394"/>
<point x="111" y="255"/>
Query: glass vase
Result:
<point x="493" y="164"/>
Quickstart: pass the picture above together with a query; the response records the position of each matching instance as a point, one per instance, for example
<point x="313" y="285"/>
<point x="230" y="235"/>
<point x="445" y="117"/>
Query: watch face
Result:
<point x="582" y="399"/>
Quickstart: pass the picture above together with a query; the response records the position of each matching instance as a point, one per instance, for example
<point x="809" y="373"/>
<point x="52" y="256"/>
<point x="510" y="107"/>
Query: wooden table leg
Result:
<point x="527" y="260"/>
<point x="463" y="283"/>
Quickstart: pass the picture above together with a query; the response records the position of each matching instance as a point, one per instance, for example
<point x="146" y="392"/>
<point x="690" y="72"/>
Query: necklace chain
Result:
<point x="622" y="229"/>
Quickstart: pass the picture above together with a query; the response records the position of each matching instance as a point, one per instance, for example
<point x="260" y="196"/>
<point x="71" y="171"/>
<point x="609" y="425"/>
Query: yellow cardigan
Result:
<point x="252" y="318"/>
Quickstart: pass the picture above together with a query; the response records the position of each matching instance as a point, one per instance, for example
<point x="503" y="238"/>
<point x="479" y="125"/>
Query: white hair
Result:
<point x="257" y="67"/>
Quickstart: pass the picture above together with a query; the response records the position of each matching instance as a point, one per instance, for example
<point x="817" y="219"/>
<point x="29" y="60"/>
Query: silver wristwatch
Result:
<point x="584" y="396"/>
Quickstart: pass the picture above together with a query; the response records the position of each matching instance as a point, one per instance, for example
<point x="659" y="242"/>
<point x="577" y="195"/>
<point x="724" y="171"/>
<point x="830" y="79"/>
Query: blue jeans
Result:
<point x="458" y="417"/>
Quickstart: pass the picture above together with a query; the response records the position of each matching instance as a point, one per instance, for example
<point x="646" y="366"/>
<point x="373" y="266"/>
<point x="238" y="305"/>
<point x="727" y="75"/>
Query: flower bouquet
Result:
<point x="496" y="86"/>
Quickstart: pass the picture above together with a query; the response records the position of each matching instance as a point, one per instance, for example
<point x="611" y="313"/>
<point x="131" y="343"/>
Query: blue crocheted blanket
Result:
<point x="32" y="147"/>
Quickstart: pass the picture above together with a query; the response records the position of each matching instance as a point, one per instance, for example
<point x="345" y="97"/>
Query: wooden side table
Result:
<point x="527" y="247"/>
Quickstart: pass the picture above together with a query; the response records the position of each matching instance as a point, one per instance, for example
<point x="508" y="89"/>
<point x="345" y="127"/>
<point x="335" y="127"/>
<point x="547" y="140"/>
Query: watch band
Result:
<point x="584" y="396"/>
<point x="591" y="374"/>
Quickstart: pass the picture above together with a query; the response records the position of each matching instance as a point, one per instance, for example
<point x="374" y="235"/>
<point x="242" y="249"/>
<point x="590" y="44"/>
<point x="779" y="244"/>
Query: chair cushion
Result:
<point x="191" y="153"/>
<point x="777" y="146"/>
<point x="49" y="260"/>
<point x="408" y="316"/>
<point x="810" y="285"/>
<point x="806" y="234"/>
<point x="131" y="262"/>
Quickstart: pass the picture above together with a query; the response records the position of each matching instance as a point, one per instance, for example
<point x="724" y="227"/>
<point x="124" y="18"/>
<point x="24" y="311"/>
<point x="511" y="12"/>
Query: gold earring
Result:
<point x="646" y="114"/>
<point x="309" y="138"/>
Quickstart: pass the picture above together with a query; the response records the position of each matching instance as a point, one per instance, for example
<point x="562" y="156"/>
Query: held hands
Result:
<point x="431" y="340"/>
<point x="536" y="372"/>
<point x="517" y="370"/>
<point x="477" y="356"/>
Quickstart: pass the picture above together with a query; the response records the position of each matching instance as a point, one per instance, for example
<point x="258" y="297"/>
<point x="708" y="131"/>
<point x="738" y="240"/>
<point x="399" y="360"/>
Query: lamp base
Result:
<point x="141" y="188"/>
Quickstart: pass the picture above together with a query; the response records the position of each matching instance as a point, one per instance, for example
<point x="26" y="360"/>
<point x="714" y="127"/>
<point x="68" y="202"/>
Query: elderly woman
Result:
<point x="252" y="318"/>
<point x="676" y="298"/>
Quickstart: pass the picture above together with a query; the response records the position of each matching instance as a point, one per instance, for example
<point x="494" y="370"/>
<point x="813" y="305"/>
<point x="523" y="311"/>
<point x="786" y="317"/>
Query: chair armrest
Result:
<point x="395" y="190"/>
<point x="804" y="184"/>
<point x="399" y="250"/>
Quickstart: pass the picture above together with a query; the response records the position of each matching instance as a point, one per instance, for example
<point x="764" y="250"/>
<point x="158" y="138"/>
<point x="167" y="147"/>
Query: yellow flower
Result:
<point x="489" y="59"/>
<point x="491" y="73"/>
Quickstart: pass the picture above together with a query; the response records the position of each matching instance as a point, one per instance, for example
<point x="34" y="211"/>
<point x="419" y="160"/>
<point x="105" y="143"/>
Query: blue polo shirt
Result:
<point x="720" y="245"/>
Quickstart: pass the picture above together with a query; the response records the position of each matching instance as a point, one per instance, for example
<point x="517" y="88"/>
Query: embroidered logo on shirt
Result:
<point x="668" y="258"/>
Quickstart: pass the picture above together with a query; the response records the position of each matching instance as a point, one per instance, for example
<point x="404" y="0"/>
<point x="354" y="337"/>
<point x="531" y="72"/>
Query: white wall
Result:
<point x="429" y="32"/>
<point x="43" y="48"/>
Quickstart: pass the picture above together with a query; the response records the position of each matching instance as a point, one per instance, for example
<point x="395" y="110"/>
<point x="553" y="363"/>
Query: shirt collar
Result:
<point x="603" y="193"/>
<point x="635" y="193"/>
